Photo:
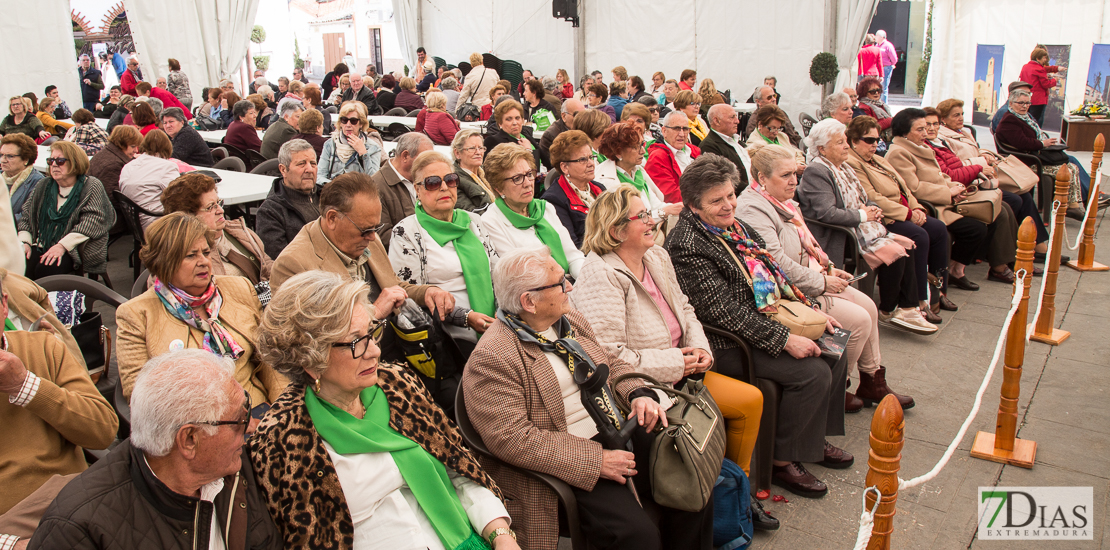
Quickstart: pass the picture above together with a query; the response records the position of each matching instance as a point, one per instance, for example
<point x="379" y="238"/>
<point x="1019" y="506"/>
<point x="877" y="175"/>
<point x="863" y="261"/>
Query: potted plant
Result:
<point x="823" y="70"/>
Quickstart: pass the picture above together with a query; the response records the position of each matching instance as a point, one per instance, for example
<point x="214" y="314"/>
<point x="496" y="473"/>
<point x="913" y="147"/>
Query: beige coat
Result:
<point x="477" y="85"/>
<point x="146" y="330"/>
<point x="917" y="164"/>
<point x="12" y="256"/>
<point x="30" y="301"/>
<point x="964" y="146"/>
<point x="782" y="240"/>
<point x="883" y="189"/>
<point x="627" y="321"/>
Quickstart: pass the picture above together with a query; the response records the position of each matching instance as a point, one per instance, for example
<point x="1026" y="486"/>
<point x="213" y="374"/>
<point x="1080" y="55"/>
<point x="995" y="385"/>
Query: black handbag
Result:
<point x="1053" y="155"/>
<point x="94" y="339"/>
<point x="467" y="111"/>
<point x="427" y="348"/>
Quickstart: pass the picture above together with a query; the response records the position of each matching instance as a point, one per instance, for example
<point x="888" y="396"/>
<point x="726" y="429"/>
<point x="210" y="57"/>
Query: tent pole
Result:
<point x="580" y="43"/>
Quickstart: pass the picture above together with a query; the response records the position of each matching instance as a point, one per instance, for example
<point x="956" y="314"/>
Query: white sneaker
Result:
<point x="912" y="321"/>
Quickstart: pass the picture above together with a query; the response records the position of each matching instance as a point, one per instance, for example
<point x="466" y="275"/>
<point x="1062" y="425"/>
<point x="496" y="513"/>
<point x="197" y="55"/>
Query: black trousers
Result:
<point x="969" y="237"/>
<point x="1025" y="207"/>
<point x="930" y="254"/>
<point x="1037" y="112"/>
<point x="897" y="284"/>
<point x="36" y="269"/>
<point x="611" y="519"/>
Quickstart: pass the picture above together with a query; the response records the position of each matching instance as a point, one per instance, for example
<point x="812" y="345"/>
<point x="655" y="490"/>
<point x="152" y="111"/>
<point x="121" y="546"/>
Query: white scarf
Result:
<point x="342" y="149"/>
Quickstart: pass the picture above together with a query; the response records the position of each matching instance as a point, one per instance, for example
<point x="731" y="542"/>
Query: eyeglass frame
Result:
<point x="56" y="161"/>
<point x="372" y="230"/>
<point x="582" y="160"/>
<point x="685" y="129"/>
<point x="875" y="91"/>
<point x="436" y="185"/>
<point x="217" y="423"/>
<point x="869" y="140"/>
<point x="530" y="175"/>
<point x="562" y="283"/>
<point x="212" y="207"/>
<point x="377" y="326"/>
<point x="470" y="150"/>
<point x="643" y="217"/>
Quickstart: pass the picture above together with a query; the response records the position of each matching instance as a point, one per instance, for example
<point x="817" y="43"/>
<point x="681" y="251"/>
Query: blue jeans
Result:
<point x="887" y="70"/>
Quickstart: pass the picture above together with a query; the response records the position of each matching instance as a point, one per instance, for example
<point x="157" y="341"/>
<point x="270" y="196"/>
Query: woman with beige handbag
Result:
<point x="1008" y="174"/>
<point x="971" y="238"/>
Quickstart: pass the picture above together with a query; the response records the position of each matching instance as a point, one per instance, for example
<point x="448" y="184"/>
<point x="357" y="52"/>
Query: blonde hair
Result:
<point x="502" y="159"/>
<point x="475" y="59"/>
<point x="308" y="314"/>
<point x="765" y="157"/>
<point x="295" y="87"/>
<point x="78" y="160"/>
<point x="610" y="210"/>
<point x="436" y="101"/>
<point x="408" y="83"/>
<point x="684" y="99"/>
<point x="355" y="107"/>
<point x="593" y="122"/>
<point x="426" y="159"/>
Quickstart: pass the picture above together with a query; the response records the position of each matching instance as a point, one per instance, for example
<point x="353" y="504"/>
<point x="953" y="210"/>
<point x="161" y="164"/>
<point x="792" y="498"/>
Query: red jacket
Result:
<point x="439" y="126"/>
<point x="952" y="165"/>
<point x="868" y="111"/>
<point x="127" y="84"/>
<point x="170" y="100"/>
<point x="568" y="90"/>
<point x="870" y="61"/>
<point x="1037" y="75"/>
<point x="664" y="171"/>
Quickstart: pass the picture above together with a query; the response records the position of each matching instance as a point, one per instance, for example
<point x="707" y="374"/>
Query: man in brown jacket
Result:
<point x="345" y="240"/>
<point x="397" y="192"/>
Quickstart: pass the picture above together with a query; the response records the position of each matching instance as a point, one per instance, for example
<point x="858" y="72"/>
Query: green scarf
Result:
<point x="471" y="252"/>
<point x="638" y="181"/>
<point x="598" y="157"/>
<point x="544" y="231"/>
<point x="425" y="476"/>
<point x="52" y="221"/>
<point x="8" y="324"/>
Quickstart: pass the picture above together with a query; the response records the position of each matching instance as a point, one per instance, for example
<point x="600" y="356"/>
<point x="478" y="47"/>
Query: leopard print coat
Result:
<point x="298" y="479"/>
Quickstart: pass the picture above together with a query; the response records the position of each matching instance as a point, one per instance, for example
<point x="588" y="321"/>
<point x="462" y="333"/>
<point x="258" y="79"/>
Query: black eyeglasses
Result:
<point x="562" y="283"/>
<point x="361" y="344"/>
<point x="583" y="161"/>
<point x="57" y="161"/>
<point x="363" y="232"/>
<point x="869" y="140"/>
<point x="519" y="178"/>
<point x="244" y="422"/>
<point x="349" y="120"/>
<point x="433" y="183"/>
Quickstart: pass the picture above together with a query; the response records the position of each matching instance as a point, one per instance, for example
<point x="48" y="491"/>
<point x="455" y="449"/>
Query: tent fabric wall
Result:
<point x="40" y="54"/>
<point x="208" y="37"/>
<point x="1019" y="25"/>
<point x="853" y="19"/>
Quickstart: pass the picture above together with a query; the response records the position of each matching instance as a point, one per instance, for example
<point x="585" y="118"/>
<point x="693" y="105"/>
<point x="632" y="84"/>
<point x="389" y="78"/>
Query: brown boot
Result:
<point x="852" y="404"/>
<point x="872" y="389"/>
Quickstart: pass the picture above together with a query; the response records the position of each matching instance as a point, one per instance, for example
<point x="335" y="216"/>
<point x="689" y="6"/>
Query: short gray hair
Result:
<point x="175" y="113"/>
<point x="174" y="389"/>
<point x="264" y="91"/>
<point x="517" y="272"/>
<point x="832" y="102"/>
<point x="241" y="108"/>
<point x="289" y="148"/>
<point x="449" y="83"/>
<point x="461" y="136"/>
<point x="411" y="143"/>
<point x="706" y="173"/>
<point x="260" y="82"/>
<point x="550" y="84"/>
<point x="290" y="107"/>
<point x="1018" y="94"/>
<point x="675" y="114"/>
<point x="157" y="105"/>
<point x="823" y="132"/>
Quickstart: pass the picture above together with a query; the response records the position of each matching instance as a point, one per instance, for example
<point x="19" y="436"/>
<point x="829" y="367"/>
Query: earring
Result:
<point x="316" y="386"/>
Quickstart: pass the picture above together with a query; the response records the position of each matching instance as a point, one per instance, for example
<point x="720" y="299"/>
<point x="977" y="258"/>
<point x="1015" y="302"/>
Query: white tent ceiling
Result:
<point x="37" y="41"/>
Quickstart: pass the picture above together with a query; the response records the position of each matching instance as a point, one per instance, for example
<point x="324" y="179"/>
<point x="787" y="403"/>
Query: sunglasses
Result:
<point x="349" y="120"/>
<point x="869" y="140"/>
<point x="368" y="232"/>
<point x="57" y="161"/>
<point x="875" y="91"/>
<point x="432" y="183"/>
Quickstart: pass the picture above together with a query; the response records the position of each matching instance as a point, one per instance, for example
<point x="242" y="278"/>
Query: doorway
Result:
<point x="334" y="47"/>
<point x="894" y="18"/>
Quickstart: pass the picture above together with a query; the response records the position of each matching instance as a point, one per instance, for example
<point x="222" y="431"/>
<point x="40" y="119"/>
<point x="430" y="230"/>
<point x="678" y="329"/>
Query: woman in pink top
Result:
<point x="628" y="291"/>
<point x="1036" y="72"/>
<point x="870" y="59"/>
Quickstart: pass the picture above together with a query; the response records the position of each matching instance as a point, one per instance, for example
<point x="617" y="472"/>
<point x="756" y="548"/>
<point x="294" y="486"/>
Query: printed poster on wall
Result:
<point x="1098" y="75"/>
<point x="987" y="89"/>
<point x="1054" y="112"/>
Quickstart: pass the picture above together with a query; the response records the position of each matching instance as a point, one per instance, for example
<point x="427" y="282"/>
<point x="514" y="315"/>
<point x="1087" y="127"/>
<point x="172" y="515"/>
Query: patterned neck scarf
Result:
<point x="871" y="236"/>
<point x="1032" y="124"/>
<point x="180" y="304"/>
<point x="877" y="106"/>
<point x="809" y="242"/>
<point x="769" y="282"/>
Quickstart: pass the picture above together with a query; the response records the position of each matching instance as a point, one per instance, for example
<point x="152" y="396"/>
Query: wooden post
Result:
<point x="1003" y="446"/>
<point x="884" y="460"/>
<point x="1086" y="260"/>
<point x="1045" y="330"/>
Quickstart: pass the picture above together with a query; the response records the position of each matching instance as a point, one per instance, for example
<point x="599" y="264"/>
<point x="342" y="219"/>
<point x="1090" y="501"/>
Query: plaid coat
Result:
<point x="513" y="400"/>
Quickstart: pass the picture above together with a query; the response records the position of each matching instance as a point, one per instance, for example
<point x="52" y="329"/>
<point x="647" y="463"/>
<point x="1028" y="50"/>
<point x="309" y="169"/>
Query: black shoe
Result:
<point x="1040" y="257"/>
<point x="1075" y="213"/>
<point x="762" y="520"/>
<point x="962" y="283"/>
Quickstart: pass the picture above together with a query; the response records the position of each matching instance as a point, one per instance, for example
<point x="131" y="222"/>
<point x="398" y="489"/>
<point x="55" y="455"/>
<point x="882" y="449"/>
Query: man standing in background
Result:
<point x="889" y="59"/>
<point x="91" y="82"/>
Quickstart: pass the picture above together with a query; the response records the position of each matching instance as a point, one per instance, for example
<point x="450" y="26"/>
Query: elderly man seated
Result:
<point x="570" y="108"/>
<point x="523" y="401"/>
<point x="669" y="157"/>
<point x="283" y="130"/>
<point x="722" y="140"/>
<point x="294" y="199"/>
<point x="765" y="95"/>
<point x="345" y="240"/>
<point x="49" y="409"/>
<point x="360" y="92"/>
<point x="183" y="480"/>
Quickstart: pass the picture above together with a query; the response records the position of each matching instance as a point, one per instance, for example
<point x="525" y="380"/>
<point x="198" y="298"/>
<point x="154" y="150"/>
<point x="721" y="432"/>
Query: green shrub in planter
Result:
<point x="823" y="69"/>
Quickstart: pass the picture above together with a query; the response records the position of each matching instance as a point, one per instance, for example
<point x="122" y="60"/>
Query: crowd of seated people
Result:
<point x="643" y="215"/>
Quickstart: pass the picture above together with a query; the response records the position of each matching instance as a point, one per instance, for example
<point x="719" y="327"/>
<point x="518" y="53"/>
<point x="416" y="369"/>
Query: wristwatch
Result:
<point x="498" y="532"/>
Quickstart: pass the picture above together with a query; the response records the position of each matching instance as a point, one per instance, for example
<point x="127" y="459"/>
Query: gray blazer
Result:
<point x="819" y="198"/>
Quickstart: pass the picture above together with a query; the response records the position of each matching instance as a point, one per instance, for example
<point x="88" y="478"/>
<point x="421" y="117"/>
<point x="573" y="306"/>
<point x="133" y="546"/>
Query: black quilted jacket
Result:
<point x="717" y="289"/>
<point x="119" y="504"/>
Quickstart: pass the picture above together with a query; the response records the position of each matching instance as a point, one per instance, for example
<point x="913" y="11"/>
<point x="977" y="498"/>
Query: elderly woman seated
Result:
<point x="106" y="166"/>
<point x="86" y="133"/>
<point x="769" y="123"/>
<point x="241" y="132"/>
<point x="1019" y="131"/>
<point x="237" y="249"/>
<point x="917" y="164"/>
<point x="870" y="92"/>
<point x="523" y="401"/>
<point x="575" y="191"/>
<point x="475" y="193"/>
<point x="353" y="147"/>
<point x="65" y="220"/>
<point x="978" y="169"/>
<point x="21" y="119"/>
<point x="902" y="214"/>
<point x="706" y="246"/>
<point x="689" y="103"/>
<point x="447" y="247"/>
<point x="509" y="116"/>
<point x="596" y="99"/>
<point x="17" y="169"/>
<point x="624" y="146"/>
<point x="519" y="220"/>
<point x="143" y="179"/>
<point x="188" y="307"/>
<point x="839" y="106"/>
<point x="629" y="293"/>
<point x="391" y="470"/>
<point x="310" y="127"/>
<point x="45" y="115"/>
<point x="408" y="99"/>
<point x="435" y="121"/>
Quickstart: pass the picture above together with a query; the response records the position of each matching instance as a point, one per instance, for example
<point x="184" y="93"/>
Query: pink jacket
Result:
<point x="870" y="61"/>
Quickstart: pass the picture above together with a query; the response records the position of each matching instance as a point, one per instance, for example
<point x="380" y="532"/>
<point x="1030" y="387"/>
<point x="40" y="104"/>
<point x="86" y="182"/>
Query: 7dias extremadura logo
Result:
<point x="1036" y="513"/>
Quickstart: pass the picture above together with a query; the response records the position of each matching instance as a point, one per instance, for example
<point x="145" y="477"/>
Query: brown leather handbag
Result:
<point x="981" y="204"/>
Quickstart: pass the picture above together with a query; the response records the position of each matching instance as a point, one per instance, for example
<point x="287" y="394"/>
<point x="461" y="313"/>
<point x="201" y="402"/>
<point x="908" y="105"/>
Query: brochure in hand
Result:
<point x="833" y="345"/>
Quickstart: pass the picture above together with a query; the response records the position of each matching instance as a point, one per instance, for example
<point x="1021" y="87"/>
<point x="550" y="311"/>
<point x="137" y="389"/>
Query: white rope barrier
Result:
<point x="867" y="518"/>
<point x="1092" y="196"/>
<point x="1040" y="291"/>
